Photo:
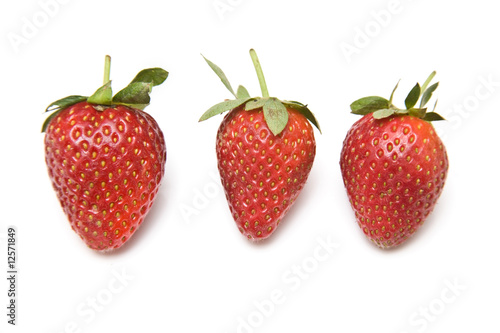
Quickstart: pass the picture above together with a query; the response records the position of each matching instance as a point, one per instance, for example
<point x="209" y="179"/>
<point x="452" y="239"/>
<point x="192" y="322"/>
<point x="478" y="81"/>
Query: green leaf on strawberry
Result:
<point x="102" y="96"/>
<point x="255" y="103"/>
<point x="154" y="76"/>
<point x="65" y="102"/>
<point x="223" y="107"/>
<point x="383" y="108"/>
<point x="383" y="113"/>
<point x="417" y="112"/>
<point x="304" y="110"/>
<point x="369" y="104"/>
<point x="413" y="97"/>
<point x="135" y="95"/>
<point x="275" y="110"/>
<point x="221" y="75"/>
<point x="432" y="116"/>
<point x="242" y="92"/>
<point x="428" y="94"/>
<point x="276" y="115"/>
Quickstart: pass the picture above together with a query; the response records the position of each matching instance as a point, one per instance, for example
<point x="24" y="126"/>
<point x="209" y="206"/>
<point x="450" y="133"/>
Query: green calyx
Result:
<point x="135" y="95"/>
<point x="275" y="110"/>
<point x="383" y="108"/>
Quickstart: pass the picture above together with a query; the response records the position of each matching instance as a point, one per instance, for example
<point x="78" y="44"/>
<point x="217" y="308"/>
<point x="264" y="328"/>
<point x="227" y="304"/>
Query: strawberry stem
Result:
<point x="103" y="95"/>
<point x="260" y="74"/>
<point x="107" y="69"/>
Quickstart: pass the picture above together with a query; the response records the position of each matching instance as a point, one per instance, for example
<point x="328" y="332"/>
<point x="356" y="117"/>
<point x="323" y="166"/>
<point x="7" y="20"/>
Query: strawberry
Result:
<point x="106" y="159"/>
<point x="393" y="165"/>
<point x="265" y="150"/>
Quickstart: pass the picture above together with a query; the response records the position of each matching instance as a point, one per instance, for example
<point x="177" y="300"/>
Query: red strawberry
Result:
<point x="265" y="151"/>
<point x="393" y="165"/>
<point x="106" y="159"/>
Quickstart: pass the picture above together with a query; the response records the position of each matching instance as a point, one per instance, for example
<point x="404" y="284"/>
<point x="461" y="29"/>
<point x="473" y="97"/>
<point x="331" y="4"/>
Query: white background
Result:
<point x="195" y="272"/>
